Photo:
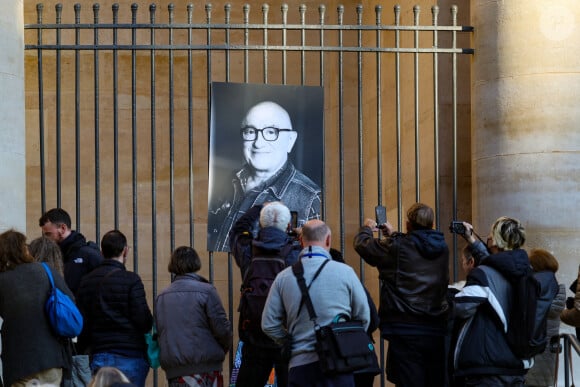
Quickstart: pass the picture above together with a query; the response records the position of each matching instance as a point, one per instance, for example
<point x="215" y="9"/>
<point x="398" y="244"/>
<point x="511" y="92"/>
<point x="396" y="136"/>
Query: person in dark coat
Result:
<point x="414" y="273"/>
<point x="31" y="351"/>
<point x="482" y="355"/>
<point x="259" y="352"/>
<point x="194" y="331"/>
<point x="545" y="266"/>
<point x="113" y="303"/>
<point x="79" y="256"/>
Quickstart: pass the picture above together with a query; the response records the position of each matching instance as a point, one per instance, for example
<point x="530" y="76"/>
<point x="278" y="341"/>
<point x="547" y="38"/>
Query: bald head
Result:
<point x="315" y="233"/>
<point x="268" y="156"/>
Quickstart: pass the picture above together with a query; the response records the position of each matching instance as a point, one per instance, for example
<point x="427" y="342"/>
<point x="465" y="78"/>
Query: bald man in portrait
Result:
<point x="267" y="138"/>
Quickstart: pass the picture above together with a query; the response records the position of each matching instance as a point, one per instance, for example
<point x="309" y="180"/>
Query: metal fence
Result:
<point x="118" y="113"/>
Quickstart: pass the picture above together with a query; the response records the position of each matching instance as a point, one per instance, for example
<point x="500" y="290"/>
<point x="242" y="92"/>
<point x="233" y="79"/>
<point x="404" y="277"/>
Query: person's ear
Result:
<point x="327" y="242"/>
<point x="293" y="135"/>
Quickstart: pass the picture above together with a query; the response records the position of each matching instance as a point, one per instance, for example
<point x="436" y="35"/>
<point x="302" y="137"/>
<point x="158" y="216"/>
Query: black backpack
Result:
<point x="255" y="288"/>
<point x="527" y="326"/>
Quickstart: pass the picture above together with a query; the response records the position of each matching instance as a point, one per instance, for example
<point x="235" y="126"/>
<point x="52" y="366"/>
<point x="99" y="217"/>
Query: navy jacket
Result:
<point x="79" y="258"/>
<point x="115" y="311"/>
<point x="484" y="305"/>
<point x="270" y="242"/>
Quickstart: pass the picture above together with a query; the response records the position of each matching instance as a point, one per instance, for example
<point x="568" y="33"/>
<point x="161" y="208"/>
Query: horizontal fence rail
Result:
<point x="118" y="113"/>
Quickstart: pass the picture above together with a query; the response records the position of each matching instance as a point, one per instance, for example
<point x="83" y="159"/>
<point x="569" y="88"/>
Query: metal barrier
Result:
<point x="569" y="341"/>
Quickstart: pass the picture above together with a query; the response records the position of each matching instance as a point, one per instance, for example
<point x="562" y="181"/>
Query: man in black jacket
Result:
<point x="414" y="273"/>
<point x="114" y="306"/>
<point x="79" y="256"/>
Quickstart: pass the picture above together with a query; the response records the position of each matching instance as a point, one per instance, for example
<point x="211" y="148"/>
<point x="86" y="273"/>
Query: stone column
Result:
<point x="12" y="128"/>
<point x="526" y="122"/>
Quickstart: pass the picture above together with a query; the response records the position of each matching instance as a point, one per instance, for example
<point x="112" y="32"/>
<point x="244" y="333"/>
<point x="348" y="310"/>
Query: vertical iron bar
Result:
<point x="340" y="11"/>
<point x="96" y="8"/>
<point x="265" y="8"/>
<point x="190" y="120"/>
<point x="58" y="90"/>
<point x="378" y="13"/>
<point x="170" y="9"/>
<point x="398" y="115"/>
<point x="435" y="16"/>
<point x="246" y="10"/>
<point x="39" y="8"/>
<point x="321" y="13"/>
<point x="416" y="12"/>
<point x="152" y="9"/>
<point x="208" y="8"/>
<point x="284" y="9"/>
<point x="134" y="146"/>
<point x="115" y="8"/>
<point x="454" y="106"/>
<point x="359" y="10"/>
<point x="302" y="11"/>
<point x="227" y="11"/>
<point x="77" y="9"/>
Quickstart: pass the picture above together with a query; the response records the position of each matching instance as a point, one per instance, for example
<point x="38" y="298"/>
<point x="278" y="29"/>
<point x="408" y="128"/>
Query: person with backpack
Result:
<point x="483" y="355"/>
<point x="79" y="255"/>
<point x="260" y="259"/>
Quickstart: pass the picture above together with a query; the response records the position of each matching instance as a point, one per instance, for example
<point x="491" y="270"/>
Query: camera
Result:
<point x="457" y="227"/>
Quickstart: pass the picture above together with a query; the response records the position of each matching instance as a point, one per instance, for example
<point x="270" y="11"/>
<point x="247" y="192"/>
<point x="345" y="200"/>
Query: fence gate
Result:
<point x="118" y="116"/>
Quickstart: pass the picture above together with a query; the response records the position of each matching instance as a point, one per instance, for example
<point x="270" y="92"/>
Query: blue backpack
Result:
<point x="64" y="316"/>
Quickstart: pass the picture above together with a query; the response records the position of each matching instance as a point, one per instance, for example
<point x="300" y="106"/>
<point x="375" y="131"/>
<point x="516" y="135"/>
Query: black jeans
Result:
<point x="416" y="361"/>
<point x="257" y="363"/>
<point x="310" y="375"/>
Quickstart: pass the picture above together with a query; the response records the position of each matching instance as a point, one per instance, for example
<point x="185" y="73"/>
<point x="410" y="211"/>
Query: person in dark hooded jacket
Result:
<point x="259" y="352"/>
<point x="482" y="355"/>
<point x="414" y="273"/>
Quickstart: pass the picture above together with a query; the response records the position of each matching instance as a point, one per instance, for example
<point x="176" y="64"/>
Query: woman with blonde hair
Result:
<point x="46" y="250"/>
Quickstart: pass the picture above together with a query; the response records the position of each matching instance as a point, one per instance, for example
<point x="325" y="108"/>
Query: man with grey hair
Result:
<point x="260" y="259"/>
<point x="267" y="175"/>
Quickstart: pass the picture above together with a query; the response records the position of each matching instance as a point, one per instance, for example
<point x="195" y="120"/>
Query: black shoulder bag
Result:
<point x="342" y="346"/>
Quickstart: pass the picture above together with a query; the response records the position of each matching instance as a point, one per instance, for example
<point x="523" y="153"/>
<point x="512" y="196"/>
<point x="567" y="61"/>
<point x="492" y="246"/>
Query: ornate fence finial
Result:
<point x="115" y="8"/>
<point x="189" y="13"/>
<point x="435" y="14"/>
<point x="77" y="9"/>
<point x="378" y="13"/>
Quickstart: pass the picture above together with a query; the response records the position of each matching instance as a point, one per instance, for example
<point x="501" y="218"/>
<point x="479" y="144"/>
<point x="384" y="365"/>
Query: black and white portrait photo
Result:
<point x="266" y="144"/>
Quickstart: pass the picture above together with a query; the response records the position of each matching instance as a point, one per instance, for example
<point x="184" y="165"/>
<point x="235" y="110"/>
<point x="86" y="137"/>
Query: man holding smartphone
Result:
<point x="414" y="273"/>
<point x="260" y="259"/>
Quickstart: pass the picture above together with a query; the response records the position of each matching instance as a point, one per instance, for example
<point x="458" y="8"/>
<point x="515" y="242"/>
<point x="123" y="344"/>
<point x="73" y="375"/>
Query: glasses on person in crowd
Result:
<point x="269" y="133"/>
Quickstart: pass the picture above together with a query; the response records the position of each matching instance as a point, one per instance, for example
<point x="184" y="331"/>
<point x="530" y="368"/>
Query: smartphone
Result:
<point x="381" y="215"/>
<point x="294" y="219"/>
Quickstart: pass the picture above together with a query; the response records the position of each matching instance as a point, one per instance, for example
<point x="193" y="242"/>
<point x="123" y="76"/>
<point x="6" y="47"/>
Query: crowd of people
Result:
<point x="437" y="334"/>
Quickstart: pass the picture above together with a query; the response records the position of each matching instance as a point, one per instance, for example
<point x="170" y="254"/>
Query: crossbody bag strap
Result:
<point x="49" y="273"/>
<point x="298" y="270"/>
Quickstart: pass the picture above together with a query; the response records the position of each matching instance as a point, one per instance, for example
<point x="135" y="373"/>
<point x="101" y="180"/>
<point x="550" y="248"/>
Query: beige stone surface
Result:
<point x="12" y="129"/>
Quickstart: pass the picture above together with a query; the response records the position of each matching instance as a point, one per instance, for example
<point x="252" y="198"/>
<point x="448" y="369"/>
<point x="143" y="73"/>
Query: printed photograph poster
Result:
<point x="284" y="135"/>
